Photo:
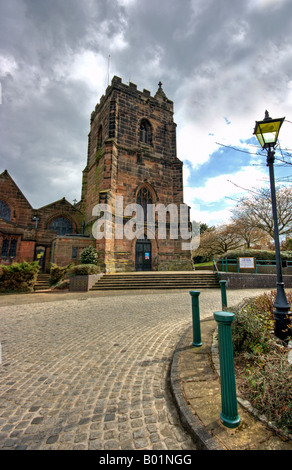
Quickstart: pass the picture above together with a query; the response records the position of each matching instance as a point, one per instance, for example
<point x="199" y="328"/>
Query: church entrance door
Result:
<point x="143" y="254"/>
<point x="40" y="256"/>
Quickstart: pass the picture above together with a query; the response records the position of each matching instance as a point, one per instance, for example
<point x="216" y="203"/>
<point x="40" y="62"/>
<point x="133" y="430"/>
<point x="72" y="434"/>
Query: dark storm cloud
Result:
<point x="45" y="113"/>
<point x="209" y="54"/>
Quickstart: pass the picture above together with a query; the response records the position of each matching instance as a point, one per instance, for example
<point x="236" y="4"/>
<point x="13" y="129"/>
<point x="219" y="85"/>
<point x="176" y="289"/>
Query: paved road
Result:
<point x="90" y="371"/>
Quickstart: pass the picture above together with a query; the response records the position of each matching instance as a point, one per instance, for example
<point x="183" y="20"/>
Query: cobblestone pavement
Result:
<point x="91" y="371"/>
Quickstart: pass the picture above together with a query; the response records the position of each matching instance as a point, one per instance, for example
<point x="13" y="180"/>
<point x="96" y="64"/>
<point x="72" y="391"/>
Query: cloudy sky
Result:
<point x="222" y="62"/>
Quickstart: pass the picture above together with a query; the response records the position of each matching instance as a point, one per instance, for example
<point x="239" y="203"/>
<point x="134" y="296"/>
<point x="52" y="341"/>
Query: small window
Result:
<point x="5" y="212"/>
<point x="74" y="252"/>
<point x="145" y="132"/>
<point x="99" y="137"/>
<point x="9" y="248"/>
<point x="12" y="249"/>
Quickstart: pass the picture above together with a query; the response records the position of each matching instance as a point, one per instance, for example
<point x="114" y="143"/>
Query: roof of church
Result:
<point x="5" y="173"/>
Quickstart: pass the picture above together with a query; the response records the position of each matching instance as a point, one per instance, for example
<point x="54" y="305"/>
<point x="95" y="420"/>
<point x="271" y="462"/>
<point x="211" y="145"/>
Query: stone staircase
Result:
<point x="158" y="280"/>
<point x="42" y="282"/>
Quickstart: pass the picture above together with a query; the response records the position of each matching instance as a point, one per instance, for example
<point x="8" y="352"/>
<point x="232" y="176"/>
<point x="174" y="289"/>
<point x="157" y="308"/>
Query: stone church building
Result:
<point x="131" y="158"/>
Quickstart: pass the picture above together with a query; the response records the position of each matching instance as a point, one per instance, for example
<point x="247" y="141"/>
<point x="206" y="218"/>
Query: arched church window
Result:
<point x="144" y="197"/>
<point x="61" y="225"/>
<point x="5" y="212"/>
<point x="145" y="132"/>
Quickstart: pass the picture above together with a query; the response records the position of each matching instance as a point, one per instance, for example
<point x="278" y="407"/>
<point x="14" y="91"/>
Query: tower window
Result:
<point x="99" y="137"/>
<point x="145" y="132"/>
<point x="144" y="197"/>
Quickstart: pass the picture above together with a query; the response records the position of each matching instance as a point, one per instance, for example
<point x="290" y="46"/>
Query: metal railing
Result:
<point x="228" y="262"/>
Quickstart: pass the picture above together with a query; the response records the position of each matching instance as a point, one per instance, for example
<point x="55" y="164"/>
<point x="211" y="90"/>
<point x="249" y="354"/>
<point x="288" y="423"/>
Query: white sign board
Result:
<point x="246" y="263"/>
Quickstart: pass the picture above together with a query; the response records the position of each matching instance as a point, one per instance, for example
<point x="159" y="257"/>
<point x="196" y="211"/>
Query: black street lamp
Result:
<point x="267" y="132"/>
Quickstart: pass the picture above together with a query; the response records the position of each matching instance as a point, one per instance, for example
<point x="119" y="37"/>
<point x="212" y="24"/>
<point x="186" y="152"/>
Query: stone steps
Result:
<point x="157" y="281"/>
<point x="42" y="282"/>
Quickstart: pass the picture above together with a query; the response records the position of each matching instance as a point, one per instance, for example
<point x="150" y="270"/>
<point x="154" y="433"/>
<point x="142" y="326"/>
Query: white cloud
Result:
<point x="8" y="65"/>
<point x="126" y="3"/>
<point x="265" y="4"/>
<point x="91" y="68"/>
<point x="218" y="190"/>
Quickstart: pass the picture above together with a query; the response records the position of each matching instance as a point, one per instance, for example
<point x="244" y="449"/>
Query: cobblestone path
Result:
<point x="92" y="372"/>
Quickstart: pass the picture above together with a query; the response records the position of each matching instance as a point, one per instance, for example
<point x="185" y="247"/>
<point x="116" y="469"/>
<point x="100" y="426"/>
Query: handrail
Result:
<point x="225" y="262"/>
<point x="215" y="264"/>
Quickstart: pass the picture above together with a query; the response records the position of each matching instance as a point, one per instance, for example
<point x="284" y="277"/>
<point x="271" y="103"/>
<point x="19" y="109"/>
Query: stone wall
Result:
<point x="83" y="283"/>
<point x="253" y="281"/>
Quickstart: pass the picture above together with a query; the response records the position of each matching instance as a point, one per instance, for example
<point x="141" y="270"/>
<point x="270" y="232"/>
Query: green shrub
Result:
<point x="265" y="374"/>
<point x="200" y="259"/>
<point x="18" y="277"/>
<point x="248" y="332"/>
<point x="58" y="273"/>
<point x="254" y="323"/>
<point x="258" y="254"/>
<point x="266" y="383"/>
<point x="89" y="255"/>
<point x="82" y="269"/>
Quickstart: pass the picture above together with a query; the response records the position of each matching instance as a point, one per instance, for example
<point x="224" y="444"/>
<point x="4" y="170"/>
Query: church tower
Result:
<point x="132" y="158"/>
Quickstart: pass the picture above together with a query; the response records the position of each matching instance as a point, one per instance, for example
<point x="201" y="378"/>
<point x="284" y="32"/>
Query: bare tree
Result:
<point x="249" y="234"/>
<point x="217" y="241"/>
<point x="256" y="211"/>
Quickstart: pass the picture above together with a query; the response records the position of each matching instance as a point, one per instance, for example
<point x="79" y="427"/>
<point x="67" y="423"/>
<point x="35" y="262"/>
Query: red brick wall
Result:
<point x="23" y="227"/>
<point x="26" y="251"/>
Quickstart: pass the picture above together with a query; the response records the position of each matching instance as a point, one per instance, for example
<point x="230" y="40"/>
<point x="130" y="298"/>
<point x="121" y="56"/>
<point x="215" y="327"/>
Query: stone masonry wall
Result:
<point x="121" y="164"/>
<point x="253" y="281"/>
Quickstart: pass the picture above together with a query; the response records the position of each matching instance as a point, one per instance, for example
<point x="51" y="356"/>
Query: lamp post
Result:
<point x="267" y="132"/>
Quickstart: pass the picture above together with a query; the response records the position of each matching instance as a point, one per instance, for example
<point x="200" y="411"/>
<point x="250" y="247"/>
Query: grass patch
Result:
<point x="207" y="263"/>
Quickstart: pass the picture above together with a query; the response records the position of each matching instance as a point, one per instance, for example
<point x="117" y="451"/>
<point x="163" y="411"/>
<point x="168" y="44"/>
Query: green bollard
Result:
<point x="223" y="294"/>
<point x="229" y="414"/>
<point x="196" y="318"/>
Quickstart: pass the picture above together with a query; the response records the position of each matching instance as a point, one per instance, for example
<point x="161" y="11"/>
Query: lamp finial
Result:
<point x="267" y="116"/>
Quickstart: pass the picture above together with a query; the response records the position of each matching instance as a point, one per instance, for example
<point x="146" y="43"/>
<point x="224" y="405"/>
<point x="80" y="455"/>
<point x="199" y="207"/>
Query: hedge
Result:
<point x="257" y="254"/>
<point x="89" y="255"/>
<point x="82" y="269"/>
<point x="59" y="273"/>
<point x="18" y="277"/>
